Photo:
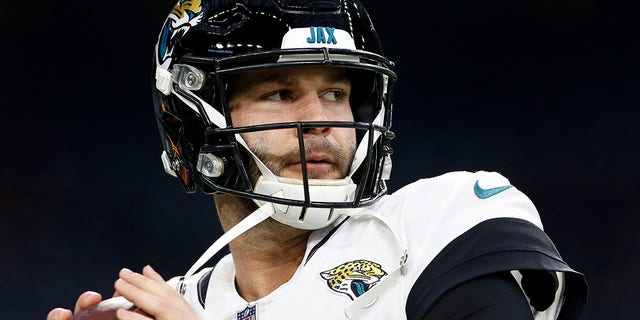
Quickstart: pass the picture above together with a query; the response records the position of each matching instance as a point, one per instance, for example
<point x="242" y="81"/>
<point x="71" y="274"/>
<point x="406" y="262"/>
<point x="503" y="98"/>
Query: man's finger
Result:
<point x="148" y="284"/>
<point x="87" y="300"/>
<point x="149" y="272"/>
<point x="124" y="314"/>
<point x="59" y="314"/>
<point x="143" y="299"/>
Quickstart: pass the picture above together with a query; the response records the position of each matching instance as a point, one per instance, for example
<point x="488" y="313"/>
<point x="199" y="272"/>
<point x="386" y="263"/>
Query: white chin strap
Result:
<point x="247" y="223"/>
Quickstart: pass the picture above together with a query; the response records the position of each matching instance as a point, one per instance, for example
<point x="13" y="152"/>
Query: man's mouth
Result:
<point x="318" y="166"/>
<point x="318" y="159"/>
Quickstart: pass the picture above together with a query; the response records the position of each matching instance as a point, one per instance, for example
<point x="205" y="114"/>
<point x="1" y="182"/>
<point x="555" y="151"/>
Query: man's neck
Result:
<point x="265" y="256"/>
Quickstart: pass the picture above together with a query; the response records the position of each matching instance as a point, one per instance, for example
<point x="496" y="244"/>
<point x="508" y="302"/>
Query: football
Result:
<point x="106" y="310"/>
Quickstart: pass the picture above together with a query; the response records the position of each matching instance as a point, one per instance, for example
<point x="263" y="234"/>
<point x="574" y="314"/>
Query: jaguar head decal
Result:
<point x="185" y="15"/>
<point x="353" y="278"/>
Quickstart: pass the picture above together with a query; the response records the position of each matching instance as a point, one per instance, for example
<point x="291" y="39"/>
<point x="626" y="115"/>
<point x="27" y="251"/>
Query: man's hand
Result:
<point x="149" y="292"/>
<point x="85" y="301"/>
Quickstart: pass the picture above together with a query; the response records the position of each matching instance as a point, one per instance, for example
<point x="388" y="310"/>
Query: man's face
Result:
<point x="296" y="94"/>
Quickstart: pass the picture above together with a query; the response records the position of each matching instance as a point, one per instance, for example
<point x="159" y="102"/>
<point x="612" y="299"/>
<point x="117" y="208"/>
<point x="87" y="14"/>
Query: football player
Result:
<point x="282" y="110"/>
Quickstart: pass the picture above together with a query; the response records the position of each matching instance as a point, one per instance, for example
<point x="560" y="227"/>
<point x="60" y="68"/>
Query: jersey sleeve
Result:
<point x="504" y="244"/>
<point x="463" y="225"/>
<point x="494" y="296"/>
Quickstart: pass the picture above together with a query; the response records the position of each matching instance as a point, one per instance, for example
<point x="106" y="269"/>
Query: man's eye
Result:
<point x="278" y="96"/>
<point x="334" y="95"/>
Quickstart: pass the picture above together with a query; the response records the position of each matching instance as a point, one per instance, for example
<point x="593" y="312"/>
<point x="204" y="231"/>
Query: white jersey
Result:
<point x="454" y="228"/>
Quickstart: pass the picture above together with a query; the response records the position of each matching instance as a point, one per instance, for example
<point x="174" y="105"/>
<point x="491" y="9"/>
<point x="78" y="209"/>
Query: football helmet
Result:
<point x="204" y="43"/>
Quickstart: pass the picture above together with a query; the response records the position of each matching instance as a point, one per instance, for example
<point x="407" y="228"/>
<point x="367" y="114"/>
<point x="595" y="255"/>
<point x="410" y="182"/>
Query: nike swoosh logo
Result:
<point x="487" y="193"/>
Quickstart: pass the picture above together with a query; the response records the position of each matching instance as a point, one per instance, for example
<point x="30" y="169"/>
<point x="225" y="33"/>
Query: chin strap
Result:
<point x="262" y="213"/>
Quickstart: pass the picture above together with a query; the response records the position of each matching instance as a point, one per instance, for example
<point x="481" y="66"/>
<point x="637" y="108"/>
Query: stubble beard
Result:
<point x="342" y="157"/>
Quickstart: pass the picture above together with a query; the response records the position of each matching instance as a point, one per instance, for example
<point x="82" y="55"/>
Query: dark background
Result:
<point x="545" y="92"/>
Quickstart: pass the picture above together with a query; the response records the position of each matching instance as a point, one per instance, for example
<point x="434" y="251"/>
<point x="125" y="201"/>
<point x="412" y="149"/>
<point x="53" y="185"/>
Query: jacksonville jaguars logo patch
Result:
<point x="185" y="15"/>
<point x="353" y="278"/>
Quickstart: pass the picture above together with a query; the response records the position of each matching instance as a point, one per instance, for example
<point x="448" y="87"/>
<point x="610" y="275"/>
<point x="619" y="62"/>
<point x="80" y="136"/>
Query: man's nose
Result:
<point x="312" y="109"/>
